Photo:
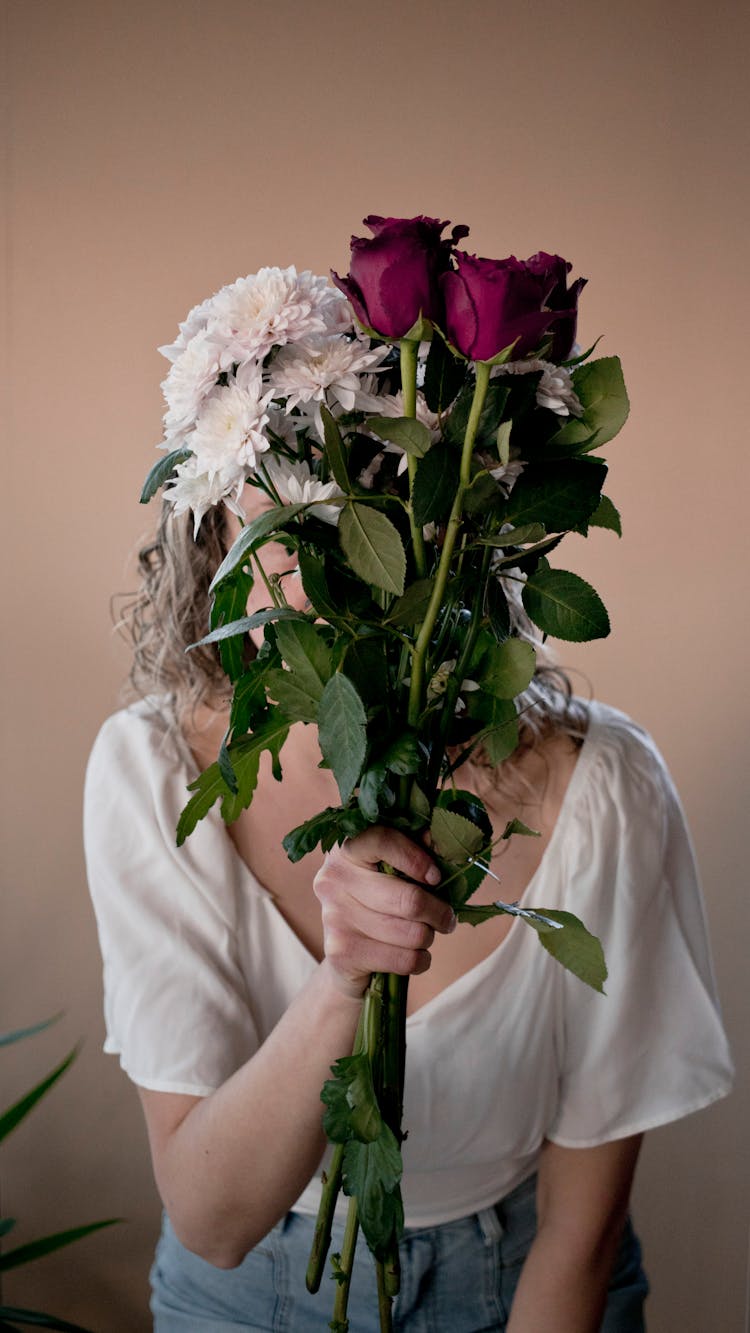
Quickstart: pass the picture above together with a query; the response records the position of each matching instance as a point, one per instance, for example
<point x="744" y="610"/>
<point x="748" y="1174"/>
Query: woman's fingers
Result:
<point x="377" y="844"/>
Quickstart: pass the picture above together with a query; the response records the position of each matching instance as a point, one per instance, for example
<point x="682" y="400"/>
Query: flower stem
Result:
<point x="409" y="352"/>
<point x="344" y="1273"/>
<point x="416" y="689"/>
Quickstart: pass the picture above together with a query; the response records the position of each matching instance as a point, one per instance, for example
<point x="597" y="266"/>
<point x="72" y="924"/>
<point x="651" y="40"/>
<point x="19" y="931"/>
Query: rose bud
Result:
<point x="561" y="298"/>
<point x="393" y="279"/>
<point x="491" y="303"/>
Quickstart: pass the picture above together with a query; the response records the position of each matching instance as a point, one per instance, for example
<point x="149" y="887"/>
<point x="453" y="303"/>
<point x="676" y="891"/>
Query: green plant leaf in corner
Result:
<point x="20" y="1109"/>
<point x="454" y="837"/>
<point x="342" y="732"/>
<point x="335" y="450"/>
<point x="35" y="1249"/>
<point x="373" y="547"/>
<point x="573" y="946"/>
<point x="606" y="515"/>
<point x="566" y="606"/>
<point x="161" y="470"/>
<point x="371" y="1172"/>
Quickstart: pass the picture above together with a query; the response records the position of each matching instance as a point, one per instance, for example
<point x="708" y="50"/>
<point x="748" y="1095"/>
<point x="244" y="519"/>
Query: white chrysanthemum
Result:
<point x="307" y="371"/>
<point x="229" y="429"/>
<point x="189" y="380"/>
<point x="555" y="389"/>
<point x="267" y="309"/>
<point x="296" y="484"/>
<point x="196" y="321"/>
<point x="200" y="491"/>
<point x="508" y="472"/>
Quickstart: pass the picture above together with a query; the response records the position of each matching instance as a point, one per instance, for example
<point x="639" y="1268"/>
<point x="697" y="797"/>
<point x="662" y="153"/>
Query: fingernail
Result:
<point x="452" y="923"/>
<point x="433" y="875"/>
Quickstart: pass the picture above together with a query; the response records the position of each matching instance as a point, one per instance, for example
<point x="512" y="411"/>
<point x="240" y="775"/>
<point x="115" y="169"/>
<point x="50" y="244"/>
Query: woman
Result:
<point x="231" y="988"/>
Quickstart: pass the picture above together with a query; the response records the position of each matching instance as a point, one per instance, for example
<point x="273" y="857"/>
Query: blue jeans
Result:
<point x="456" y="1278"/>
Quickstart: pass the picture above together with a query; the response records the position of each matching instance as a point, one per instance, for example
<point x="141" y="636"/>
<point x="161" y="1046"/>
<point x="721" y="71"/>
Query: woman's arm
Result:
<point x="229" y="1165"/>
<point x="582" y="1203"/>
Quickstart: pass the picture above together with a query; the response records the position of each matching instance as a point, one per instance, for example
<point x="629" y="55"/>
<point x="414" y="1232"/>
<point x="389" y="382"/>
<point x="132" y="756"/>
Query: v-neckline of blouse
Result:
<point x="473" y="974"/>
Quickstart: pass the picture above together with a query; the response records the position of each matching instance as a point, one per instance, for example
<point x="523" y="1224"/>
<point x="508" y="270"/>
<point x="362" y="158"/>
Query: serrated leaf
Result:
<point x="371" y="1172"/>
<point x="371" y="785"/>
<point x="517" y="826"/>
<point x="492" y="412"/>
<point x="435" y="484"/>
<point x="20" y="1109"/>
<point x="403" y="754"/>
<point x="483" y="495"/>
<point x="454" y="838"/>
<point x="342" y="732"/>
<point x="373" y="547"/>
<point x="443" y="377"/>
<point x="210" y="786"/>
<point x="161" y="471"/>
<point x="601" y="390"/>
<point x="254" y="534"/>
<point x="606" y="516"/>
<point x="559" y="494"/>
<point x="227" y="604"/>
<point x="566" y="606"/>
<point x="574" y="946"/>
<point x="292" y="697"/>
<point x="499" y="736"/>
<point x="35" y="1249"/>
<point x="330" y="826"/>
<point x="508" y="668"/>
<point x="334" y="448"/>
<point x="408" y="433"/>
<point x="306" y="652"/>
<point x="249" y="697"/>
<point x="352" y="1108"/>
<point x="410" y="608"/>
<point x="312" y="572"/>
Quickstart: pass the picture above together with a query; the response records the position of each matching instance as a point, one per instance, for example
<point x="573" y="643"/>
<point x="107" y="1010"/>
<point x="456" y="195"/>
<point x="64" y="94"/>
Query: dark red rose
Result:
<point x="394" y="277"/>
<point x="561" y="298"/>
<point x="490" y="303"/>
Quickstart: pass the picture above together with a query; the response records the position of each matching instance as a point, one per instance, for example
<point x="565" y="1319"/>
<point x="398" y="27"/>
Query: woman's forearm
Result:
<point x="241" y="1156"/>
<point x="562" y="1290"/>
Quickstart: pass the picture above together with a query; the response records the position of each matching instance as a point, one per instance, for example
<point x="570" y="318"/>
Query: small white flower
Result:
<point x="296" y="484"/>
<point x="229" y="429"/>
<point x="189" y="380"/>
<point x="555" y="389"/>
<point x="306" y="371"/>
<point x="439" y="683"/>
<point x="199" y="491"/>
<point x="507" y="473"/>
<point x="392" y="405"/>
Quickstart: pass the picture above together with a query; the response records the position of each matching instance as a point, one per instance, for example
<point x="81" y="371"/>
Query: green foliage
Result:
<point x="342" y="732"/>
<point x="444" y="376"/>
<point x="334" y="446"/>
<point x="161" y="472"/>
<point x="373" y="547"/>
<point x="244" y="754"/>
<point x="566" y="606"/>
<point x="508" y="668"/>
<point x="372" y="1172"/>
<point x="254" y="534"/>
<point x="601" y="390"/>
<point x="559" y="494"/>
<point x="606" y="516"/>
<point x="573" y="946"/>
<point x="434" y="484"/>
<point x="328" y="828"/>
<point x="408" y="433"/>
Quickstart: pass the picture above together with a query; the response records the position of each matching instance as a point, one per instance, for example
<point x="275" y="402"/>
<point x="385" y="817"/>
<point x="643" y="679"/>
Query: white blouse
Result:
<point x="199" y="965"/>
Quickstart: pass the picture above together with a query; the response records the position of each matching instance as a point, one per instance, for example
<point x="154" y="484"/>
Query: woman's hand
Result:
<point x="373" y="921"/>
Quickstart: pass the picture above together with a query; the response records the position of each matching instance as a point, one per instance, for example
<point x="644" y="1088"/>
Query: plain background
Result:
<point x="157" y="150"/>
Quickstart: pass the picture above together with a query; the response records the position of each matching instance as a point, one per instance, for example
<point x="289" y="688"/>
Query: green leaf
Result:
<point x="293" y="698"/>
<point x="503" y="442"/>
<point x="443" y="377"/>
<point x="254" y="534"/>
<point x="454" y="838"/>
<point x="312" y="571"/>
<point x="573" y="946"/>
<point x="499" y="735"/>
<point x="244" y="754"/>
<point x="409" y="434"/>
<point x="435" y="484"/>
<point x="34" y="1319"/>
<point x="508" y="668"/>
<point x="342" y="732"/>
<point x="373" y="547"/>
<point x="6" y="1225"/>
<point x="601" y="390"/>
<point x="564" y="605"/>
<point x="492" y="413"/>
<point x="228" y="602"/>
<point x="371" y="786"/>
<point x="530" y="532"/>
<point x="410" y="608"/>
<point x="24" y="1254"/>
<point x="7" y="1038"/>
<point x="365" y="663"/>
<point x="249" y="698"/>
<point x="560" y="493"/>
<point x="306" y="652"/>
<point x="20" y="1109"/>
<point x="514" y="826"/>
<point x="403" y="755"/>
<point x="483" y="495"/>
<point x="235" y="628"/>
<point x="335" y="450"/>
<point x="371" y="1172"/>
<point x="498" y="611"/>
<point x="606" y="516"/>
<point x="330" y="826"/>
<point x="353" y="1110"/>
<point x="161" y="471"/>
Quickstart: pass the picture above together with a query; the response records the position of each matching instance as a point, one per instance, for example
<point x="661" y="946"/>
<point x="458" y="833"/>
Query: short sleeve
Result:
<point x="653" y="1048"/>
<point x="175" y="1000"/>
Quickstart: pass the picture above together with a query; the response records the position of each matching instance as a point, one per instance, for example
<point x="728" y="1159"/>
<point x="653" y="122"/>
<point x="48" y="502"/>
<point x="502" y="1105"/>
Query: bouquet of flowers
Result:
<point x="424" y="431"/>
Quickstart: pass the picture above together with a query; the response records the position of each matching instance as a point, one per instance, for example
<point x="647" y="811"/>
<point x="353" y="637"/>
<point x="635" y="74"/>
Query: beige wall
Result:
<point x="159" y="149"/>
